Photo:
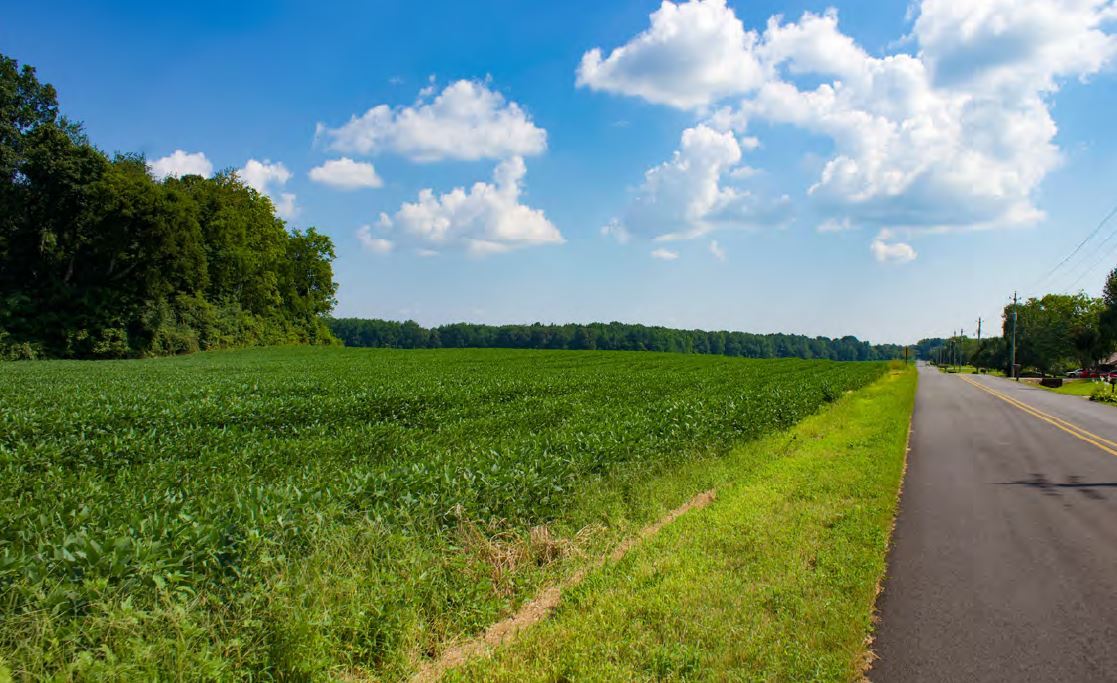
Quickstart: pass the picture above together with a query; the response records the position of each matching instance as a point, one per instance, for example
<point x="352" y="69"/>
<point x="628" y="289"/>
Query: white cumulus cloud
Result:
<point x="487" y="218"/>
<point x="684" y="198"/>
<point x="955" y="135"/>
<point x="717" y="250"/>
<point x="931" y="142"/>
<point x="1021" y="45"/>
<point x="260" y="175"/>
<point x="664" y="254"/>
<point x="268" y="178"/>
<point x="346" y="174"/>
<point x="179" y="163"/>
<point x="691" y="55"/>
<point x="467" y="120"/>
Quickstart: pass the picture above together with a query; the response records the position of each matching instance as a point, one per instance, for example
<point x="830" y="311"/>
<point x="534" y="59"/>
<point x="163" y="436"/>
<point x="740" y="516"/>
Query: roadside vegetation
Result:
<point x="969" y="370"/>
<point x="1078" y="387"/>
<point x="775" y="580"/>
<point x="311" y="513"/>
<point x="1104" y="393"/>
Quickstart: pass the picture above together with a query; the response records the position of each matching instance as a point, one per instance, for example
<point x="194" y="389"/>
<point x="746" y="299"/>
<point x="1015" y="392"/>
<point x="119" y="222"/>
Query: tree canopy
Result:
<point x="613" y="336"/>
<point x="1059" y="332"/>
<point x="99" y="259"/>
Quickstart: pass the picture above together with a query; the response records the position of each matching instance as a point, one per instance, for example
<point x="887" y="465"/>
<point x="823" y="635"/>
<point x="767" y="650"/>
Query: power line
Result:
<point x="1096" y="262"/>
<point x="1078" y="272"/>
<point x="1078" y="248"/>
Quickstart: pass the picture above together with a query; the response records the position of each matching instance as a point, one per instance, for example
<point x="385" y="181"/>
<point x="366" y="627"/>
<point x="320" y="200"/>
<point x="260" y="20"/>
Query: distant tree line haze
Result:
<point x="100" y="260"/>
<point x="605" y="336"/>
<point x="1055" y="333"/>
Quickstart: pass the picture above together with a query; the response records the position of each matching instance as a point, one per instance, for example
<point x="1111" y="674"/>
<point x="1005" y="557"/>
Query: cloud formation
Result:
<point x="260" y="175"/>
<point x="488" y="218"/>
<point x="1014" y="45"/>
<point x="955" y="136"/>
<point x="268" y="178"/>
<point x="664" y="254"/>
<point x="467" y="120"/>
<point x="346" y="174"/>
<point x="691" y="55"/>
<point x="180" y="163"/>
<point x="684" y="198"/>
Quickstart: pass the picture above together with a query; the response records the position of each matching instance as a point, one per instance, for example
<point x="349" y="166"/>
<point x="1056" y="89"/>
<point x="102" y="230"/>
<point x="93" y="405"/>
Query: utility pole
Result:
<point x="1013" y="368"/>
<point x="978" y="352"/>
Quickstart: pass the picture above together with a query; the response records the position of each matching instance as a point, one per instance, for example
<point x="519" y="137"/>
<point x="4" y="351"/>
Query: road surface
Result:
<point x="1004" y="558"/>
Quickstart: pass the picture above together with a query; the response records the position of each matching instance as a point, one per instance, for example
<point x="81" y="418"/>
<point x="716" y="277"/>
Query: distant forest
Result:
<point x="100" y="260"/>
<point x="605" y="336"/>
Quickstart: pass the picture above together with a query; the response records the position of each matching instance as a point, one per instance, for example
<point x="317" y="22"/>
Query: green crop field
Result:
<point x="312" y="513"/>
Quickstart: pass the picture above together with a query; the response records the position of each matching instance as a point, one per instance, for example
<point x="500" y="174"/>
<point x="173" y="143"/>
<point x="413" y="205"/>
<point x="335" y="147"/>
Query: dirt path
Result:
<point x="546" y="601"/>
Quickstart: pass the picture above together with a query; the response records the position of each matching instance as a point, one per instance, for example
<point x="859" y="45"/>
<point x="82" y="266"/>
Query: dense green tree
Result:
<point x="99" y="259"/>
<point x="1058" y="331"/>
<point x="1107" y="319"/>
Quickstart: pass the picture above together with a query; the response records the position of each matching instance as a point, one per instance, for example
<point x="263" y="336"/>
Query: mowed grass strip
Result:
<point x="775" y="580"/>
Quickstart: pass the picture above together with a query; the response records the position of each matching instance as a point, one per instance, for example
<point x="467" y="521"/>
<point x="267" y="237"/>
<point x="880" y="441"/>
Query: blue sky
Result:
<point x="874" y="169"/>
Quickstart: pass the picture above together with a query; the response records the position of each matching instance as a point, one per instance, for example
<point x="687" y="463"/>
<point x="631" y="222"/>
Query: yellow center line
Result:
<point x="1025" y="406"/>
<point x="1068" y="427"/>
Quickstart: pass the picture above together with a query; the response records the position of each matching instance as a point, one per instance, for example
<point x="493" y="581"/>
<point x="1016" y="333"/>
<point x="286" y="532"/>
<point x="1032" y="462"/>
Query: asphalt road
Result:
<point x="1004" y="558"/>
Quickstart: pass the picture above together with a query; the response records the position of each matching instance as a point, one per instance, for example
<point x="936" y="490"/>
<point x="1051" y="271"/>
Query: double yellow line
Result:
<point x="1068" y="427"/>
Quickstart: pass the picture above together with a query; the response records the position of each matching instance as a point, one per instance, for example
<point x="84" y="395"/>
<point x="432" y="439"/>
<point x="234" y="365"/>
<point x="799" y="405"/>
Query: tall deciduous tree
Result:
<point x="99" y="259"/>
<point x="1057" y="331"/>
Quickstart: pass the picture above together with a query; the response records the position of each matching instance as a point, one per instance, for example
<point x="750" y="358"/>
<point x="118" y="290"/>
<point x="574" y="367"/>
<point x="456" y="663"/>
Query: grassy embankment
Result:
<point x="314" y="513"/>
<point x="775" y="580"/>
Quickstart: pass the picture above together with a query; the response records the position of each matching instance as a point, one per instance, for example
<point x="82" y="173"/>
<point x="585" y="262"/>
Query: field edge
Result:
<point x="591" y="631"/>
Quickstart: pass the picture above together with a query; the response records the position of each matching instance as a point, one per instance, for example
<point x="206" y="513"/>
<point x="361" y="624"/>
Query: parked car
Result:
<point x="1074" y="374"/>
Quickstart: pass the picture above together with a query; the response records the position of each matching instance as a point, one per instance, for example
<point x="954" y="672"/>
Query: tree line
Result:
<point x="613" y="336"/>
<point x="1054" y="333"/>
<point x="100" y="260"/>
